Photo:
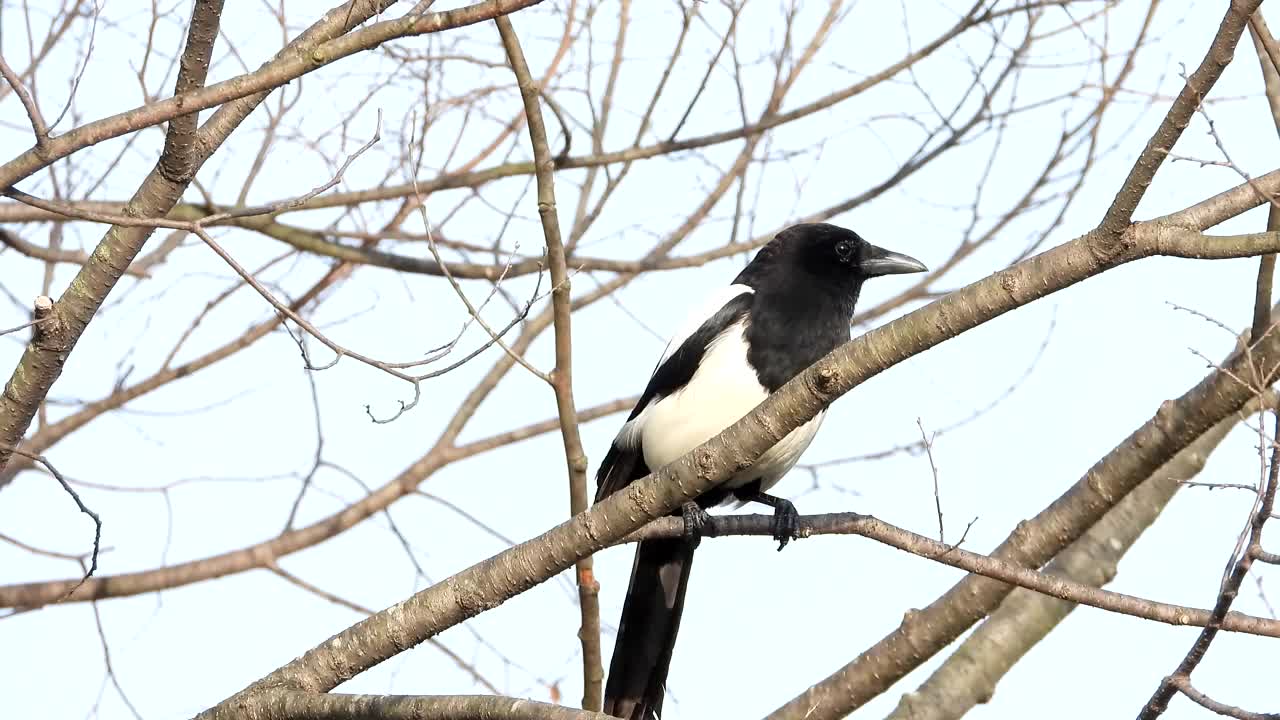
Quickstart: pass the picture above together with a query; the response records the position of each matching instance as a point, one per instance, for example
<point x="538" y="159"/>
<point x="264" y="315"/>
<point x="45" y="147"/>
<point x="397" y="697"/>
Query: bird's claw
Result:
<point x="695" y="523"/>
<point x="786" y="523"/>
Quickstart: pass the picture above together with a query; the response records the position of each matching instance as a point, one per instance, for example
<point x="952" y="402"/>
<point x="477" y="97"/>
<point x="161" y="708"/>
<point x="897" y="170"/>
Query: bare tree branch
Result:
<point x="1177" y="118"/>
<point x="1237" y="569"/>
<point x="454" y="139"/>
<point x="285" y="704"/>
<point x="562" y="376"/>
<point x="484" y="586"/>
<point x="287" y="66"/>
<point x="1185" y="687"/>
<point x="1059" y="586"/>
<point x="970" y="674"/>
<point x="43" y="360"/>
<point x="260" y="555"/>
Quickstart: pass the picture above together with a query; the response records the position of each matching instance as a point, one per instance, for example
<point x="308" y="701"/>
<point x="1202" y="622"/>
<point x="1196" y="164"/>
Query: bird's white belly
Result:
<point x="721" y="392"/>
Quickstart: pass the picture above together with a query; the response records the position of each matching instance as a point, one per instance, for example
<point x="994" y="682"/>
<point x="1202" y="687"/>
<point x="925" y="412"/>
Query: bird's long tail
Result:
<point x="647" y="630"/>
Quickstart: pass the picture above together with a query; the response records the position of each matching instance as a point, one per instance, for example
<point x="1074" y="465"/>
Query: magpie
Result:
<point x="790" y="306"/>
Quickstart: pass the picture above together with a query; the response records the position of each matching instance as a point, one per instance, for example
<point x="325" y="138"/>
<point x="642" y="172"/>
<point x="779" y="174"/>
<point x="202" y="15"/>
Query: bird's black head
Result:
<point x="829" y="254"/>
<point x="806" y="283"/>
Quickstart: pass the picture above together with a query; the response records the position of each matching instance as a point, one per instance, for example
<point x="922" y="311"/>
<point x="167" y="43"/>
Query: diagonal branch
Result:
<point x="1175" y="426"/>
<point x="38" y="125"/>
<point x="46" y="354"/>
<point x="970" y="674"/>
<point x="491" y="582"/>
<point x="1186" y="688"/>
<point x="1175" y="121"/>
<point x="306" y="54"/>
<point x="1237" y="569"/>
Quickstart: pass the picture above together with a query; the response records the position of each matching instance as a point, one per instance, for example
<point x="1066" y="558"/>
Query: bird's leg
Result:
<point x="695" y="523"/>
<point x="786" y="520"/>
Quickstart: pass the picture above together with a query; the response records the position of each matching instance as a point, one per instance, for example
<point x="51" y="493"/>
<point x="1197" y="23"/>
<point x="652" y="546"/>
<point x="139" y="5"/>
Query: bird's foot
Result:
<point x="696" y="521"/>
<point x="786" y="522"/>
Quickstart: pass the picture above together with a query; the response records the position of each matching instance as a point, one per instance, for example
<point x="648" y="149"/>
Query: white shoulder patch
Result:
<point x="694" y="320"/>
<point x="629" y="436"/>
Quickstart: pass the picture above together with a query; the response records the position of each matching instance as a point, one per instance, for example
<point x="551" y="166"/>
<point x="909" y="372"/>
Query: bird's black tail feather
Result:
<point x="647" y="630"/>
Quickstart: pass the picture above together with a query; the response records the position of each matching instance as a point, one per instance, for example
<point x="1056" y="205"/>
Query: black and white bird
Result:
<point x="791" y="305"/>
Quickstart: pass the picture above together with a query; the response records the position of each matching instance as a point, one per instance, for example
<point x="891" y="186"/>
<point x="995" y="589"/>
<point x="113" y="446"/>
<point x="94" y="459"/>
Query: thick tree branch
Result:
<point x="1238" y="569"/>
<point x="289" y="65"/>
<point x="292" y="705"/>
<point x="970" y="674"/>
<point x="1134" y="187"/>
<point x="491" y="582"/>
<point x="1034" y="542"/>
<point x="1226" y="204"/>
<point x="45" y="356"/>
<point x="179" y="159"/>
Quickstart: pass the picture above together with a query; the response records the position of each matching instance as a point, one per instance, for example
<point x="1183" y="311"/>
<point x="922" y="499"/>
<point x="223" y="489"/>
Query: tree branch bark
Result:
<point x="43" y="360"/>
<point x="562" y="375"/>
<point x="1044" y="584"/>
<point x="47" y="353"/>
<point x="293" y="705"/>
<point x="1193" y="92"/>
<point x="491" y="582"/>
<point x="1175" y="426"/>
<point x="970" y="674"/>
<point x="1034" y="542"/>
<point x="288" y="65"/>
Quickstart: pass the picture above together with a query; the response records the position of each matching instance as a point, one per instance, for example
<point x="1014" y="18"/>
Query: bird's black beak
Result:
<point x="886" y="262"/>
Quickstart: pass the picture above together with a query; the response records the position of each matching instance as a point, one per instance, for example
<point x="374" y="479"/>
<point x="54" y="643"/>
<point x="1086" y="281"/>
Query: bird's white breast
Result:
<point x="723" y="390"/>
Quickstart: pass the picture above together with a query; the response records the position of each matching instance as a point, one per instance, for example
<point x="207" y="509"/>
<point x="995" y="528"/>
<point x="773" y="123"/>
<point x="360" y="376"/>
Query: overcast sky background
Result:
<point x="759" y="626"/>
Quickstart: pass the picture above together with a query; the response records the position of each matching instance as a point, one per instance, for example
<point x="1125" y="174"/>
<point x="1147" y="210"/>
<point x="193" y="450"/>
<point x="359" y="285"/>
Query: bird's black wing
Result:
<point x="651" y="612"/>
<point x="624" y="463"/>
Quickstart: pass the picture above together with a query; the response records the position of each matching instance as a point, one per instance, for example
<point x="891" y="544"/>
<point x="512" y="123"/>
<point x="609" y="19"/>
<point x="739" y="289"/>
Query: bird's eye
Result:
<point x="844" y="249"/>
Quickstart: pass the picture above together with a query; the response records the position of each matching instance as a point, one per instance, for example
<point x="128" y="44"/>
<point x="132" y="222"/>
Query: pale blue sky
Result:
<point x="759" y="626"/>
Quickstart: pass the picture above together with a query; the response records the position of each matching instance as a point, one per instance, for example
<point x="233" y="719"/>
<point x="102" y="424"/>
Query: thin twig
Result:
<point x="38" y="125"/>
<point x="1003" y="570"/>
<point x="561" y="378"/>
<point x="1237" y="569"/>
<point x="1184" y="686"/>
<point x="937" y="498"/>
<point x="97" y="520"/>
<point x="106" y="661"/>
